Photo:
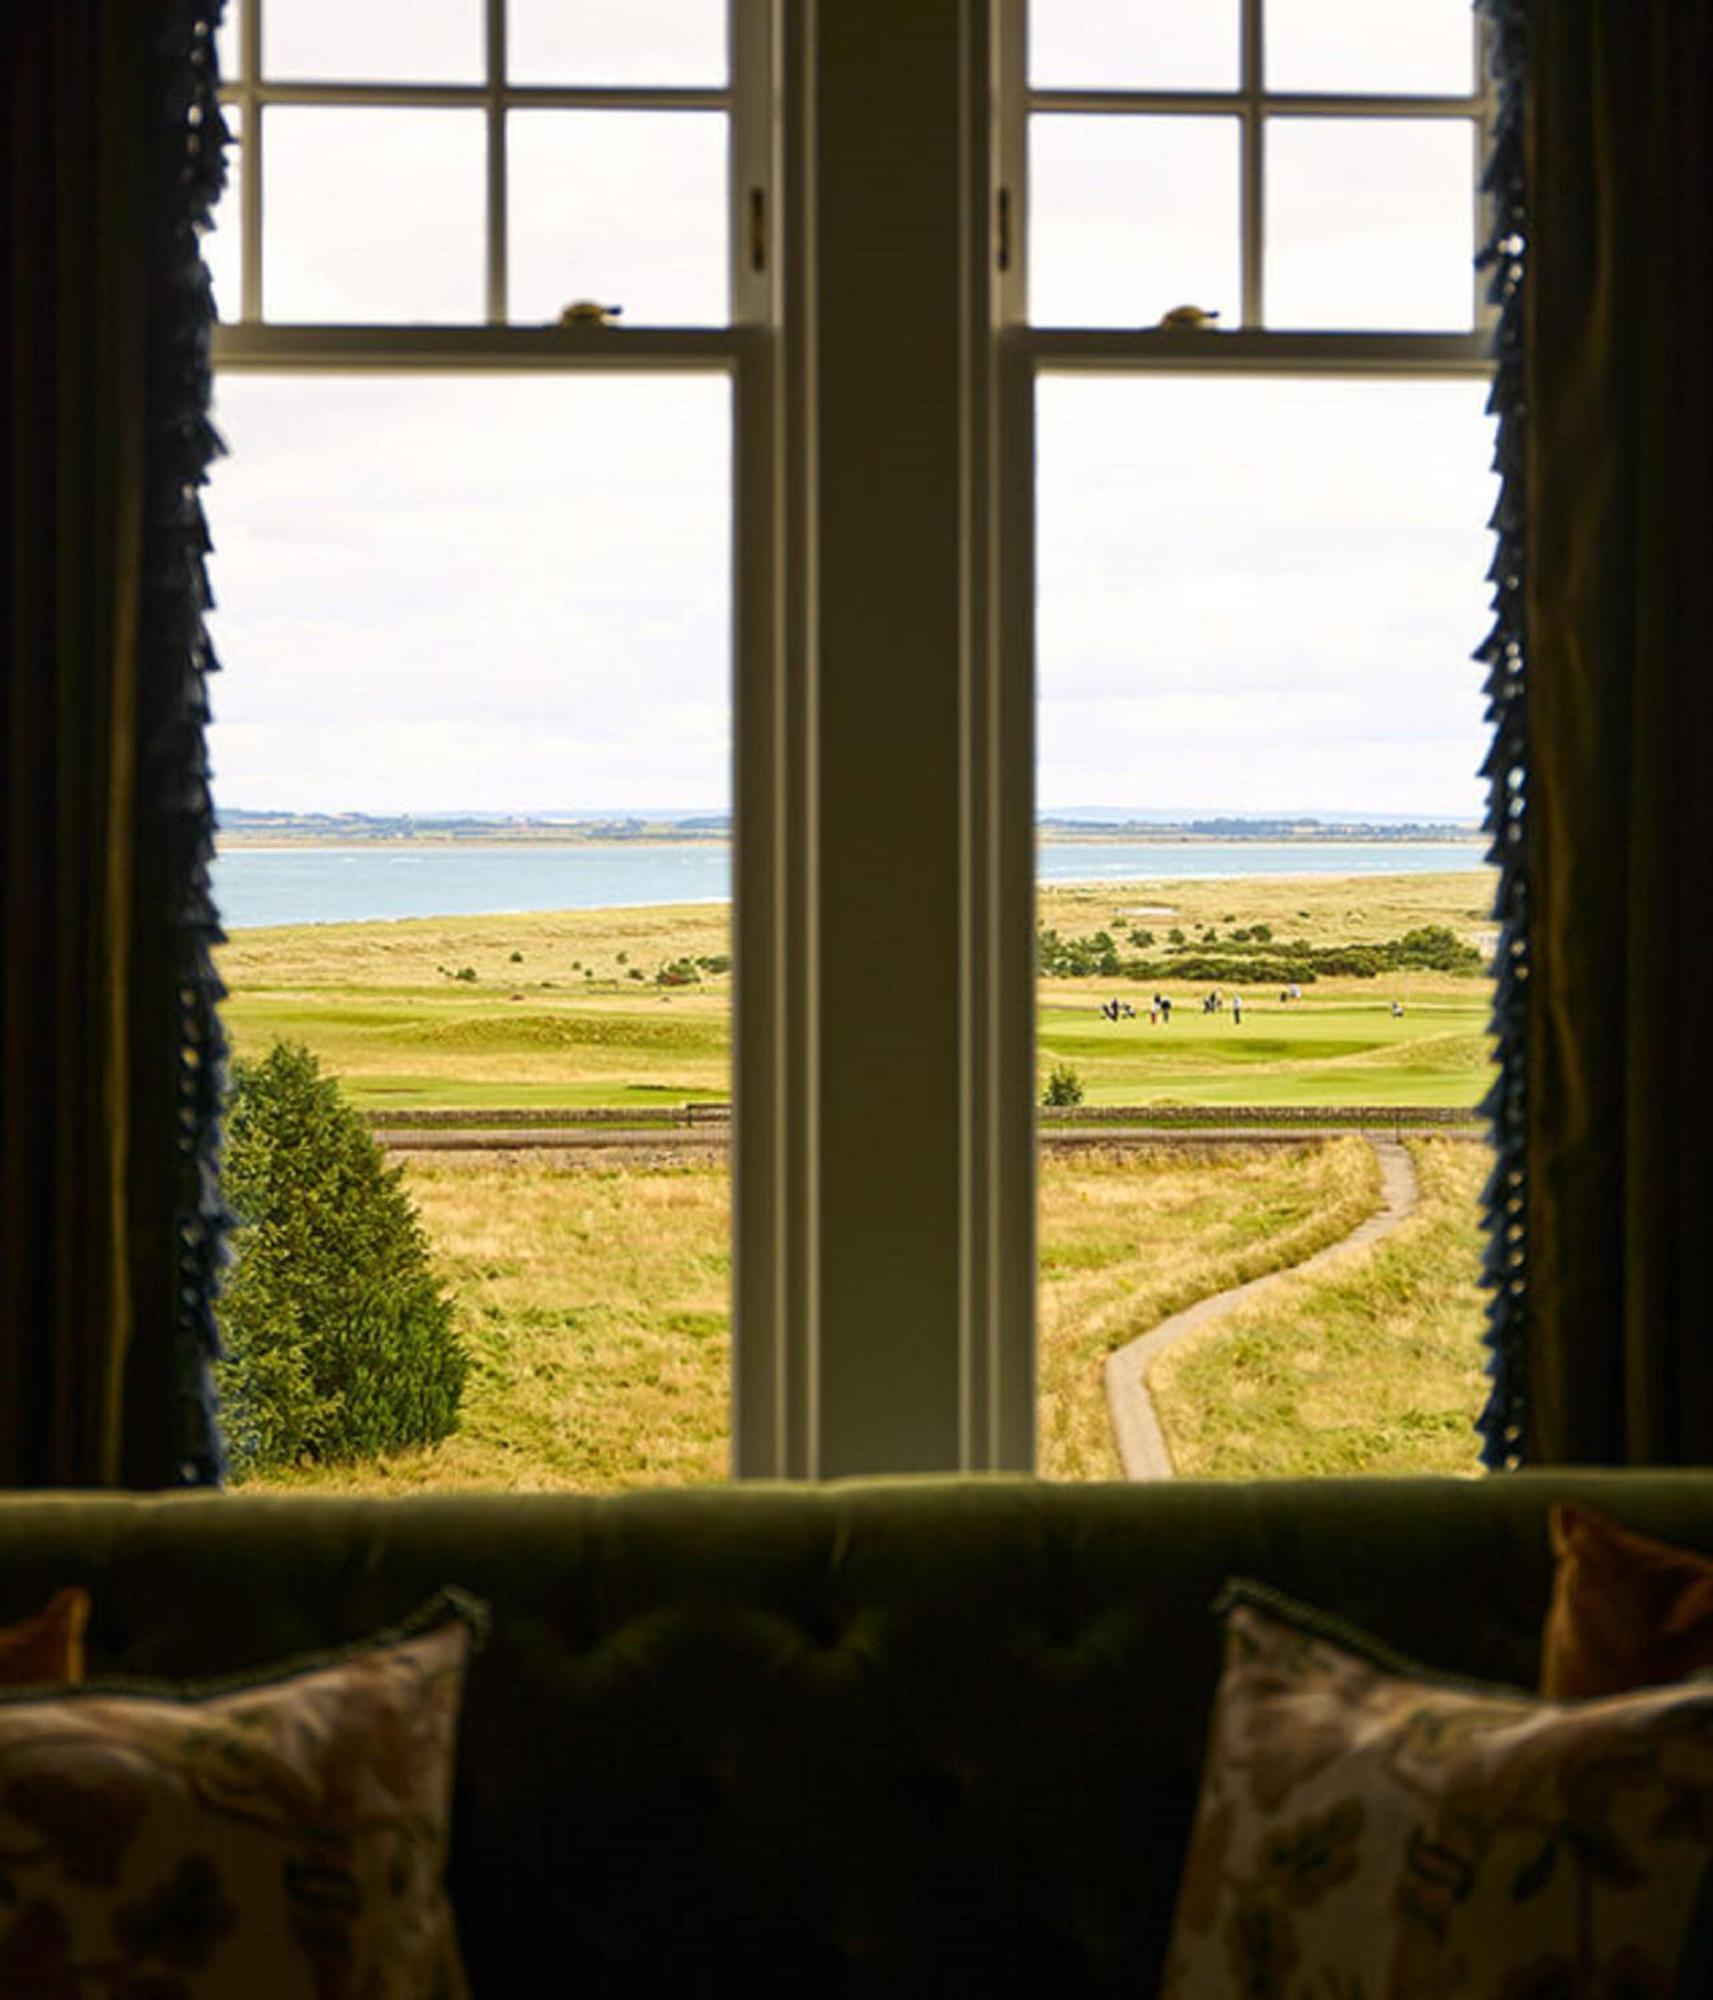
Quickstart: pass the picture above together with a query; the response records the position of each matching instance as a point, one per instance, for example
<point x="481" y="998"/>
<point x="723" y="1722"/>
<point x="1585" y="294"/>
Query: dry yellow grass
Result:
<point x="1374" y="1366"/>
<point x="1127" y="1239"/>
<point x="595" y="1302"/>
<point x="1323" y="909"/>
<point x="409" y="951"/>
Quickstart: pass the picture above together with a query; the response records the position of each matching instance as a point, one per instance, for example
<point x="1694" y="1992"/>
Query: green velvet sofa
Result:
<point x="888" y="1738"/>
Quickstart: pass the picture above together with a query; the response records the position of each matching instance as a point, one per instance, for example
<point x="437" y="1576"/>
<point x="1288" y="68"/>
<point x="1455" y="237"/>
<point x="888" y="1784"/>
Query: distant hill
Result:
<point x="1087" y="825"/>
<point x="1084" y="823"/>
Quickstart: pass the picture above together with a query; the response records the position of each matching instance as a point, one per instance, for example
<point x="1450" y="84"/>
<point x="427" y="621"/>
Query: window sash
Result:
<point x="1252" y="105"/>
<point x="746" y="100"/>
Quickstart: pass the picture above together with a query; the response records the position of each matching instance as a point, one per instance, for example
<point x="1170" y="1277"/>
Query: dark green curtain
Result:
<point x="1618" y="1326"/>
<point x="109" y="1059"/>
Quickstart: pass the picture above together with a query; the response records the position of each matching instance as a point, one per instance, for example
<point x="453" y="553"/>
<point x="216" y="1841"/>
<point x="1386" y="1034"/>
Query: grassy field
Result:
<point x="1127" y="1239"/>
<point x="563" y="1010"/>
<point x="595" y="1296"/>
<point x="1374" y="1366"/>
<point x="595" y="1300"/>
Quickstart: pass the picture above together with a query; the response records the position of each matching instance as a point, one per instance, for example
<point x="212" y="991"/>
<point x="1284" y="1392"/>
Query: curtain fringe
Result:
<point x="182" y="445"/>
<point x="1504" y="654"/>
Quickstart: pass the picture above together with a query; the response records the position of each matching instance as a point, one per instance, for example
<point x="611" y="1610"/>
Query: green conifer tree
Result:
<point x="339" y="1341"/>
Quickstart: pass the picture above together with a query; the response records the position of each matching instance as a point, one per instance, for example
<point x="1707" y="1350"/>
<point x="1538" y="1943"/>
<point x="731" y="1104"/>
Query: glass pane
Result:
<point x="226" y="48"/>
<point x="222" y="247"/>
<point x="624" y="207"/>
<point x="1130" y="217"/>
<point x="1133" y="44"/>
<point x="1403" y="47"/>
<point x="374" y="215"/>
<point x="679" y="42"/>
<point x="1371" y="223"/>
<point x="380" y="41"/>
<point x="474" y="855"/>
<point x="1259" y="737"/>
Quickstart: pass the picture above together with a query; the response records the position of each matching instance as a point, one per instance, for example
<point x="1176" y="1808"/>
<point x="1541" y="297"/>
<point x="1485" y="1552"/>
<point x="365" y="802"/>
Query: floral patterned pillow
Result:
<point x="281" y="1838"/>
<point x="1365" y="1832"/>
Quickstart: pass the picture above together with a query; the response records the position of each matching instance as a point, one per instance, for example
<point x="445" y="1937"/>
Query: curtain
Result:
<point x="109" y="1056"/>
<point x="1616" y="1337"/>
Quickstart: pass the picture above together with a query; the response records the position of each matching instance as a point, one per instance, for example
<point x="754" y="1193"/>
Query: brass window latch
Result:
<point x="589" y="312"/>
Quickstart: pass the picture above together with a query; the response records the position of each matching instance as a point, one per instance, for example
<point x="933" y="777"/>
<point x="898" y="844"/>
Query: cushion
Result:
<point x="280" y="1837"/>
<point x="1626" y="1612"/>
<point x="49" y="1646"/>
<point x="1366" y="1828"/>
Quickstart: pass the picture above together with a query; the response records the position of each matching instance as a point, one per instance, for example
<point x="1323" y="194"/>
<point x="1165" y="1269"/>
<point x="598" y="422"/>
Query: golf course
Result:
<point x="592" y="1290"/>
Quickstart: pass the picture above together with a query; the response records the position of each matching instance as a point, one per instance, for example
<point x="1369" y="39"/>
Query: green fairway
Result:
<point x="1342" y="1049"/>
<point x="567" y="1010"/>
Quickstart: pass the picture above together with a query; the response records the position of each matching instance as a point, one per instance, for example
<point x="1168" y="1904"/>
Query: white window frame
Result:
<point x="1026" y="352"/>
<point x="746" y="98"/>
<point x="746" y="352"/>
<point x="884" y="728"/>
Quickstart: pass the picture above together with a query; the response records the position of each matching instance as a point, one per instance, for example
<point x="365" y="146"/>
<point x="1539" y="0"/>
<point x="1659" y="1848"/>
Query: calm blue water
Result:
<point x="255" y="886"/>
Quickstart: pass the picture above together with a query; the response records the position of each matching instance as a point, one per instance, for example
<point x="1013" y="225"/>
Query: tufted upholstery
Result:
<point x="904" y="1738"/>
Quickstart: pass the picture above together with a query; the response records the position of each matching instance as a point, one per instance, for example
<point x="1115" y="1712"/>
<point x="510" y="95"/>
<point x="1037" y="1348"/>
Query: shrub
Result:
<point x="1064" y="1086"/>
<point x="467" y="973"/>
<point x="339" y="1341"/>
<point x="517" y="958"/>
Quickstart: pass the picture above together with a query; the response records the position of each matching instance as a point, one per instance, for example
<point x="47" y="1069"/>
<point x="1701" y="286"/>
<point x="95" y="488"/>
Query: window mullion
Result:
<point x="498" y="304"/>
<point x="1254" y="169"/>
<point x="250" y="222"/>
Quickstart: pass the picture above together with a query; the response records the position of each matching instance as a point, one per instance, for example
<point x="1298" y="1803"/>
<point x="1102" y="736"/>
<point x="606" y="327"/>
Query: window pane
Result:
<point x="222" y="247"/>
<point x="409" y="649"/>
<point x="380" y="41"/>
<point x="624" y="207"/>
<point x="1130" y="217"/>
<point x="1256" y="604"/>
<point x="1403" y="46"/>
<point x="226" y="44"/>
<point x="374" y="215"/>
<point x="617" y="41"/>
<point x="1133" y="44"/>
<point x="1370" y="223"/>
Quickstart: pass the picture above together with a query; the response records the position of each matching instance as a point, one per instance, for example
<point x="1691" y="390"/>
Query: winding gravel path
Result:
<point x="1135" y="1423"/>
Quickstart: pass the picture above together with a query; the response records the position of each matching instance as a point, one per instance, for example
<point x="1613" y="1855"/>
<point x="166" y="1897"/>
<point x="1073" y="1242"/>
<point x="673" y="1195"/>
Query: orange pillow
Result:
<point x="49" y="1646"/>
<point x="1627" y="1612"/>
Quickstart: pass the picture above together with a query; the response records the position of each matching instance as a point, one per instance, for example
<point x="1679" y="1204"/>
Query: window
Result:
<point x="1247" y="345"/>
<point x="410" y="166"/>
<point x="901" y="268"/>
<point x="485" y="638"/>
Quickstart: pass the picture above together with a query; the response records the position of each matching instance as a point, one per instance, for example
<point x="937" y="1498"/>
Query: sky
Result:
<point x="512" y="594"/>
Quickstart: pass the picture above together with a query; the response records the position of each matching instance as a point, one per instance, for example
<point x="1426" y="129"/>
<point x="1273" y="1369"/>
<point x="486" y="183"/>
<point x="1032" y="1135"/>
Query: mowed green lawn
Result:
<point x="1339" y="1045"/>
<point x="564" y="1009"/>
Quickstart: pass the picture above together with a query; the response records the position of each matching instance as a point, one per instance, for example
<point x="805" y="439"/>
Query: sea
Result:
<point x="255" y="887"/>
